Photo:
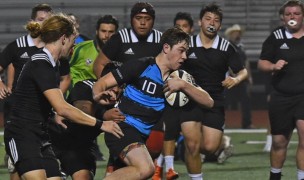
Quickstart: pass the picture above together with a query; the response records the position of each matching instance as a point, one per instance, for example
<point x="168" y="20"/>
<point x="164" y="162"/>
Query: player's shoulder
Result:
<point x="279" y="33"/>
<point x="84" y="44"/>
<point x="88" y="83"/>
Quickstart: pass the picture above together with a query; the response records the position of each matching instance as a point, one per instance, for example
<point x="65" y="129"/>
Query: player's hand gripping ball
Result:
<point x="179" y="99"/>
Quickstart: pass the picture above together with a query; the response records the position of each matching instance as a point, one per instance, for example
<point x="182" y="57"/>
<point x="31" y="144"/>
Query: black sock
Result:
<point x="275" y="176"/>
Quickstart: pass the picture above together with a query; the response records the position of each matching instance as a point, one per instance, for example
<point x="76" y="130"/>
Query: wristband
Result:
<point x="98" y="124"/>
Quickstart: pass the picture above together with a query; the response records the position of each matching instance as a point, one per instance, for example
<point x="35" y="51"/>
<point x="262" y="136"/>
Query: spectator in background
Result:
<point x="240" y="94"/>
<point x="282" y="56"/>
<point x="81" y="37"/>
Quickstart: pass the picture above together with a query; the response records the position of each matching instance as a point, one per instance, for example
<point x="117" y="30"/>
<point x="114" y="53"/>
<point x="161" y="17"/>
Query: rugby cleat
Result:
<point x="158" y="173"/>
<point x="171" y="174"/>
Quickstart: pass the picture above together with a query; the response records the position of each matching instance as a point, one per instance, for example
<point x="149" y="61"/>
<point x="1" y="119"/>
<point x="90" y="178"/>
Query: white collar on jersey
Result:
<point x="52" y="61"/>
<point x="288" y="34"/>
<point x="135" y="39"/>
<point x="30" y="41"/>
<point x="214" y="45"/>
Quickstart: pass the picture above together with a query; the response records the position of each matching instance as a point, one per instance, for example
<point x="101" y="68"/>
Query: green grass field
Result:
<point x="247" y="163"/>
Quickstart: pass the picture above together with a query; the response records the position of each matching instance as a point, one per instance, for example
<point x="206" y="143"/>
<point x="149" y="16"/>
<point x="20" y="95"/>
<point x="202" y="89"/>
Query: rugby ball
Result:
<point x="179" y="99"/>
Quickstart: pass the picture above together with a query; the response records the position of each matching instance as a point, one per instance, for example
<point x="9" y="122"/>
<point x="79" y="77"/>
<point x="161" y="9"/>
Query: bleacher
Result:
<point x="258" y="17"/>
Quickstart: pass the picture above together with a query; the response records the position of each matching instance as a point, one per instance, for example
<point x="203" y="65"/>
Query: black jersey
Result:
<point x="76" y="135"/>
<point x="209" y="66"/>
<point x="19" y="52"/>
<point x="281" y="45"/>
<point x="37" y="76"/>
<point x="125" y="45"/>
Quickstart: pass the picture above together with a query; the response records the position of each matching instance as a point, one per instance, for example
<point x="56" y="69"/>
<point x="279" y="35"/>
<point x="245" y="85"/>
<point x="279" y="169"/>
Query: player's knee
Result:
<point x="209" y="148"/>
<point x="192" y="147"/>
<point x="146" y="172"/>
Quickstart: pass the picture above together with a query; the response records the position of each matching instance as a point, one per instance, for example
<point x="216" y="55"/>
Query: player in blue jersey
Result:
<point x="140" y="40"/>
<point x="143" y="101"/>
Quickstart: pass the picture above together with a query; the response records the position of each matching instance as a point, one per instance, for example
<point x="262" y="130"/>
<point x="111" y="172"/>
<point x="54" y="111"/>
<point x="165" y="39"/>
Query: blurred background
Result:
<point x="256" y="17"/>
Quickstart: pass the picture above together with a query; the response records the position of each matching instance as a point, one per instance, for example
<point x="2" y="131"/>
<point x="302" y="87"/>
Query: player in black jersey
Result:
<point x="36" y="93"/>
<point x="143" y="101"/>
<point x="282" y="55"/>
<point x="16" y="54"/>
<point x="131" y="43"/>
<point x="209" y="58"/>
<point x="75" y="146"/>
<point x="141" y="40"/>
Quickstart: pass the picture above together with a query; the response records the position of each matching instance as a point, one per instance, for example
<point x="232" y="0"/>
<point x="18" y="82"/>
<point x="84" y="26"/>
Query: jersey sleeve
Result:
<point x="64" y="67"/>
<point x="235" y="62"/>
<point x="112" y="47"/>
<point x="45" y="75"/>
<point x="82" y="90"/>
<point x="129" y="71"/>
<point x="7" y="55"/>
<point x="267" y="52"/>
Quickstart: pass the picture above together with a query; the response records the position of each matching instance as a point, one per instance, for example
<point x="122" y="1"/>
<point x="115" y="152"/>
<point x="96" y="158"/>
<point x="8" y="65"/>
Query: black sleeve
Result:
<point x="64" y="67"/>
<point x="8" y="55"/>
<point x="129" y="71"/>
<point x="44" y="75"/>
<point x="82" y="90"/>
<point x="112" y="47"/>
<point x="267" y="52"/>
<point x="234" y="61"/>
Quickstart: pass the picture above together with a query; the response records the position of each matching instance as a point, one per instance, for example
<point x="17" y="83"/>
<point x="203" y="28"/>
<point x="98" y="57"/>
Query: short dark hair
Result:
<point x="213" y="8"/>
<point x="173" y="36"/>
<point x="40" y="7"/>
<point x="291" y="3"/>
<point x="107" y="19"/>
<point x="183" y="16"/>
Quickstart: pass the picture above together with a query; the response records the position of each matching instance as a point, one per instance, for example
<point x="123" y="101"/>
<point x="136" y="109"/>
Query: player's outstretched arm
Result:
<point x="62" y="108"/>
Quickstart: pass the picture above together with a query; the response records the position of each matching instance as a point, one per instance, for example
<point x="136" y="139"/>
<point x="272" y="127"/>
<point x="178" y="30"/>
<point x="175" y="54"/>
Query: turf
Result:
<point x="248" y="162"/>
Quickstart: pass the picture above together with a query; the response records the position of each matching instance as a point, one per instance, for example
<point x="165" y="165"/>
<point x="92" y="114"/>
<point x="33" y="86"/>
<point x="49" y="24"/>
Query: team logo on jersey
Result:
<point x="129" y="51"/>
<point x="24" y="55"/>
<point x="88" y="61"/>
<point x="284" y="46"/>
<point x="192" y="56"/>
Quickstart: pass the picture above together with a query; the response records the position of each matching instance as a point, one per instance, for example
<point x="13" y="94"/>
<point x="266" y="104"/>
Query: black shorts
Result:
<point x="30" y="151"/>
<point x="171" y="118"/>
<point x="131" y="135"/>
<point x="214" y="117"/>
<point x="284" y="110"/>
<point x="73" y="160"/>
